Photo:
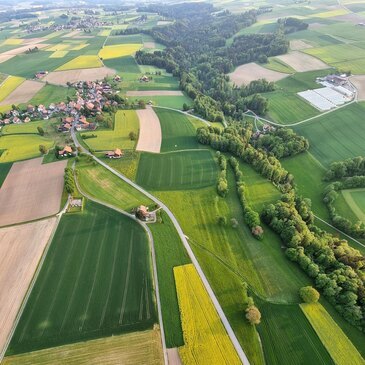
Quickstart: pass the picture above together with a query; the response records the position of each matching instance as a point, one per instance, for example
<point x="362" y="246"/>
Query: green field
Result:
<point x="4" y="170"/>
<point x="130" y="81"/>
<point x="21" y="147"/>
<point x="104" y="286"/>
<point x="24" y="128"/>
<point x="336" y="136"/>
<point x="341" y="350"/>
<point x="52" y="94"/>
<point x="277" y="65"/>
<point x="355" y="198"/>
<point x="125" y="64"/>
<point x="177" y="170"/>
<point x="286" y="108"/>
<point x="100" y="183"/>
<point x="126" y="121"/>
<point x="124" y="39"/>
<point x="175" y="102"/>
<point x="170" y="252"/>
<point x="178" y="131"/>
<point x="288" y="337"/>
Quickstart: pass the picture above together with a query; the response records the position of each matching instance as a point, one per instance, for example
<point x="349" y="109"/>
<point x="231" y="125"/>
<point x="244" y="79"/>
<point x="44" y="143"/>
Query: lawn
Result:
<point x="340" y="348"/>
<point x="206" y="340"/>
<point x="21" y="147"/>
<point x="170" y="252"/>
<point x="142" y="347"/>
<point x="287" y="107"/>
<point x="89" y="61"/>
<point x="178" y="132"/>
<point x="4" y="170"/>
<point x="24" y="128"/>
<point x="288" y="338"/>
<point x="52" y="94"/>
<point x="177" y="170"/>
<point x="126" y="121"/>
<point x="9" y="85"/>
<point x="126" y="64"/>
<point x="108" y="52"/>
<point x="100" y="183"/>
<point x="337" y="135"/>
<point x="104" y="286"/>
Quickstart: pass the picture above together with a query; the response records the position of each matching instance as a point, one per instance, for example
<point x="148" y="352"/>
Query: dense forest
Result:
<point x="202" y="46"/>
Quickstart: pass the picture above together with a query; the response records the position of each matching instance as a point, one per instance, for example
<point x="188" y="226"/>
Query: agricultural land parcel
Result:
<point x="9" y="85"/>
<point x="102" y="262"/>
<point x="149" y="131"/>
<point x="31" y="191"/>
<point x="116" y="51"/>
<point x="206" y="340"/>
<point x="23" y="93"/>
<point x="142" y="347"/>
<point x="21" y="248"/>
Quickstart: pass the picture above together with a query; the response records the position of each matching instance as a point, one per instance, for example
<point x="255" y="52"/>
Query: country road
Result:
<point x="190" y="252"/>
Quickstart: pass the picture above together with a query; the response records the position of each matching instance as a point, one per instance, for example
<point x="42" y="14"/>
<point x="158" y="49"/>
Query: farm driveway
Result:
<point x="150" y="135"/>
<point x="31" y="191"/>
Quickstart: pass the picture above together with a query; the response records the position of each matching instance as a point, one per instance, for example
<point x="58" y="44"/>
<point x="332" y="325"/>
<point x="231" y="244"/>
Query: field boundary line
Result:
<point x="225" y="322"/>
<point x="153" y="253"/>
<point x="58" y="217"/>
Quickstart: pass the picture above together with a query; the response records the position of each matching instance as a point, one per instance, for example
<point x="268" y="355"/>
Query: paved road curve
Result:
<point x="190" y="252"/>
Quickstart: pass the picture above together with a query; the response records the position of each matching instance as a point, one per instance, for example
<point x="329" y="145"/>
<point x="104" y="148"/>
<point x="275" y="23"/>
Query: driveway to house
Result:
<point x="190" y="252"/>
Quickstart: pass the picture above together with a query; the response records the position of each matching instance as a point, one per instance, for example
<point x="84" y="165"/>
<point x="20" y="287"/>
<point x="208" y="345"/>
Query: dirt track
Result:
<point x="251" y="71"/>
<point x="21" y="248"/>
<point x="89" y="74"/>
<point x="150" y="135"/>
<point x="302" y="62"/>
<point x="23" y="93"/>
<point x="155" y="93"/>
<point x="31" y="191"/>
<point x="359" y="83"/>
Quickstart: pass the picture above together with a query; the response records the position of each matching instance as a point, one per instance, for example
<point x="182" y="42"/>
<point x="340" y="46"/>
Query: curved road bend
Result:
<point x="190" y="252"/>
<point x="153" y="254"/>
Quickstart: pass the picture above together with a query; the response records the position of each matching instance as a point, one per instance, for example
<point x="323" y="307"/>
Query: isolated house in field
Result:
<point x="142" y="213"/>
<point x="117" y="153"/>
<point x="67" y="151"/>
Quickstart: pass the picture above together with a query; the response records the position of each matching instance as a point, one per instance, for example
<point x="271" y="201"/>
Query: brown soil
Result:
<point x="150" y="135"/>
<point x="302" y="62"/>
<point x="359" y="83"/>
<point x="21" y="248"/>
<point x="31" y="191"/>
<point x="23" y="93"/>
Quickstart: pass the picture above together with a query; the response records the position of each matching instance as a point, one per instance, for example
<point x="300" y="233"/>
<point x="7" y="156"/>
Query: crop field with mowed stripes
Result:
<point x="177" y="170"/>
<point x="96" y="281"/>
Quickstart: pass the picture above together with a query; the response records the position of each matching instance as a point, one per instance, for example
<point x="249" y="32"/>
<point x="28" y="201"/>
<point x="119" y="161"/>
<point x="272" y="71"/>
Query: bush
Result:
<point x="253" y="315"/>
<point x="309" y="294"/>
<point x="221" y="220"/>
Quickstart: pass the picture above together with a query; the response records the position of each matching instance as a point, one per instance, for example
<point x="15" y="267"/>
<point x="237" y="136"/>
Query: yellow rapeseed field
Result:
<point x="339" y="347"/>
<point x="331" y="13"/>
<point x="105" y="32"/>
<point x="81" y="62"/>
<point x="206" y="340"/>
<point x="13" y="41"/>
<point x="58" y="54"/>
<point x="9" y="85"/>
<point x="58" y="47"/>
<point x="118" y="50"/>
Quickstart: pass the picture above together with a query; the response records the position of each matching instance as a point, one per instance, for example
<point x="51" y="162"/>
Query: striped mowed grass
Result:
<point x="177" y="170"/>
<point x="96" y="281"/>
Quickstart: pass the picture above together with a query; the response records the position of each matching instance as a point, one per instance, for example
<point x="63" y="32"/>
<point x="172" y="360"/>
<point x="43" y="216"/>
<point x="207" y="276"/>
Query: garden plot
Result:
<point x="244" y="74"/>
<point x="31" y="191"/>
<point x="23" y="93"/>
<point x="302" y="62"/>
<point x="155" y="93"/>
<point x="150" y="136"/>
<point x="21" y="248"/>
<point x="89" y="74"/>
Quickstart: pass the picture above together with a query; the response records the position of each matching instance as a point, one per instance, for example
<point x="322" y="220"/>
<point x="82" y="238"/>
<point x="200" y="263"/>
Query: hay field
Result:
<point x="23" y="93"/>
<point x="244" y="74"/>
<point x="21" y="248"/>
<point x="150" y="135"/>
<point x="21" y="147"/>
<point x="31" y="191"/>
<point x="104" y="285"/>
<point x="7" y="55"/>
<point x="109" y="52"/>
<point x="126" y="121"/>
<point x="206" y="340"/>
<point x="142" y="347"/>
<point x="177" y="170"/>
<point x="88" y="61"/>
<point x="302" y="62"/>
<point x="340" y="348"/>
<point x="89" y="74"/>
<point x="155" y="93"/>
<point x="355" y="198"/>
<point x="9" y="85"/>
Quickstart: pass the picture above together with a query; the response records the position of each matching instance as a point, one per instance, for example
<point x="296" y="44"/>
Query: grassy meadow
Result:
<point x="52" y="94"/>
<point x="104" y="287"/>
<point x="4" y="170"/>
